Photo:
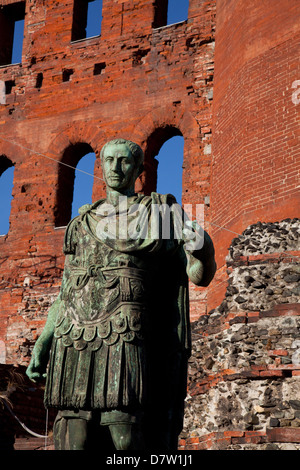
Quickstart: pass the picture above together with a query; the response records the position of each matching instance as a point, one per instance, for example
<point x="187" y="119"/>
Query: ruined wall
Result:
<point x="245" y="367"/>
<point x="137" y="80"/>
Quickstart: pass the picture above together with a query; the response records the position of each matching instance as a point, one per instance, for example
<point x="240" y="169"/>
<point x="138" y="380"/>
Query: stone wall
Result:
<point x="244" y="373"/>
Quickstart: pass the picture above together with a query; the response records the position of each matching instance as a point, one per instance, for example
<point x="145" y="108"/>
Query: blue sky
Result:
<point x="170" y="156"/>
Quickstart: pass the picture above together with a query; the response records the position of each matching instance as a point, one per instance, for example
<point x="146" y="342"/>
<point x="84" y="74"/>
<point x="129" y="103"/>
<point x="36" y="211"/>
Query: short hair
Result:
<point x="135" y="149"/>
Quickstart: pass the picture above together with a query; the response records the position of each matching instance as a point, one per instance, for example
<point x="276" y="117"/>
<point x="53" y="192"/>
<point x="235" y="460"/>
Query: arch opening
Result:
<point x="169" y="172"/>
<point x="83" y="184"/>
<point x="74" y="186"/>
<point x="163" y="162"/>
<point x="6" y="187"/>
<point x="167" y="12"/>
<point x="87" y="19"/>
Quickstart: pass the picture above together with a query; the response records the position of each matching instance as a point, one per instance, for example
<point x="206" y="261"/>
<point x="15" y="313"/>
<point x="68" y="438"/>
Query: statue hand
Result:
<point x="194" y="269"/>
<point x="201" y="266"/>
<point x="193" y="236"/>
<point x="40" y="355"/>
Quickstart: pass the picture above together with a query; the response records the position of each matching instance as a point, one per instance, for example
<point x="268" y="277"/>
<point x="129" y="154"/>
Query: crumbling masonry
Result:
<point x="224" y="79"/>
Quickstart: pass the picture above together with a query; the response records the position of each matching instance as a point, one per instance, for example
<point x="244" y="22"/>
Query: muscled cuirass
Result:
<point x="121" y="318"/>
<point x="104" y="296"/>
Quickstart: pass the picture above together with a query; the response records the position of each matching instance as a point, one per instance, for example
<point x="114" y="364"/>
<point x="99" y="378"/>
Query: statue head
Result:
<point x="122" y="163"/>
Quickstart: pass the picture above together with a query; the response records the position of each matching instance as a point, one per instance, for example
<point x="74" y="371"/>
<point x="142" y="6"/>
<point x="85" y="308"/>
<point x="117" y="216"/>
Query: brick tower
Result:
<point x="147" y="81"/>
<point x="244" y="388"/>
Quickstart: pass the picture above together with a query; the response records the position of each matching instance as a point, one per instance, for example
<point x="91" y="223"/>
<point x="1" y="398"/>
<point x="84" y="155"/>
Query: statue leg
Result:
<point x="77" y="434"/>
<point x="125" y="429"/>
<point x="70" y="430"/>
<point x="126" y="436"/>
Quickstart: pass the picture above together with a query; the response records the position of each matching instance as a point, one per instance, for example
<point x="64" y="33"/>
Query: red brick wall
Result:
<point x="154" y="83"/>
<point x="151" y="79"/>
<point x="256" y="145"/>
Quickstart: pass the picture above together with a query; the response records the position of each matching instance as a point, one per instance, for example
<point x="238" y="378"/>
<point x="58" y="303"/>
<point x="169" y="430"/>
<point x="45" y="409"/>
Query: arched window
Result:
<point x="6" y="186"/>
<point x="71" y="186"/>
<point x="87" y="19"/>
<point x="170" y="11"/>
<point x="169" y="172"/>
<point x="177" y="11"/>
<point x="163" y="162"/>
<point x="83" y="184"/>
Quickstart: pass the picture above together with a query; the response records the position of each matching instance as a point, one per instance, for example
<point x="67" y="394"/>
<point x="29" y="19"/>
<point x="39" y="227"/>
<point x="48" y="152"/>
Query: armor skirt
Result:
<point x="106" y="377"/>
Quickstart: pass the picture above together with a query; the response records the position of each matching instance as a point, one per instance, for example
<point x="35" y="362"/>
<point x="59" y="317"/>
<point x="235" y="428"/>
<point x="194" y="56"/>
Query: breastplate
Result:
<point x="102" y="304"/>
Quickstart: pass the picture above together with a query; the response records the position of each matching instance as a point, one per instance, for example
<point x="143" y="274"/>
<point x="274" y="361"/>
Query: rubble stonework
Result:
<point x="266" y="237"/>
<point x="244" y="372"/>
<point x="261" y="283"/>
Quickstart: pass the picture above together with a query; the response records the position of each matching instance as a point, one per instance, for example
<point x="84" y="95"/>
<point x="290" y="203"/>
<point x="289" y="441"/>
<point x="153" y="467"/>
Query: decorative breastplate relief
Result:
<point x="103" y="304"/>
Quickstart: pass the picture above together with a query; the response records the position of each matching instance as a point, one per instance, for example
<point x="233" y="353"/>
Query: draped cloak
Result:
<point x="122" y="333"/>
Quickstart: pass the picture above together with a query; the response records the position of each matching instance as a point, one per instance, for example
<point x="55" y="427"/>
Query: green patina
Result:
<point x="117" y="339"/>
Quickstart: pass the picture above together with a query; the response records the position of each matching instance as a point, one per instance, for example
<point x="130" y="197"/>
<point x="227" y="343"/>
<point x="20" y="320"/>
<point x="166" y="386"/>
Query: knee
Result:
<point x="77" y="434"/>
<point x="122" y="436"/>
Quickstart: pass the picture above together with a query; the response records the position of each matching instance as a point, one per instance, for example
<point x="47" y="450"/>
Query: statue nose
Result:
<point x="116" y="166"/>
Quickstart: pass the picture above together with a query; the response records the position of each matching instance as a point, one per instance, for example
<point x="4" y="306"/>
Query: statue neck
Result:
<point x="113" y="196"/>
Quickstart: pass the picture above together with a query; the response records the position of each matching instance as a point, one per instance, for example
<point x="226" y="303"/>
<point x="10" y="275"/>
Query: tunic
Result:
<point x="122" y="322"/>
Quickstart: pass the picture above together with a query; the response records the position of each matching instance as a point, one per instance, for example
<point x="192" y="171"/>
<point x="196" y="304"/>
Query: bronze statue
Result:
<point x="117" y="339"/>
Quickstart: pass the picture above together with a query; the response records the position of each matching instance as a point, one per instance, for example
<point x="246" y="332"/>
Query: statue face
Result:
<point x="119" y="167"/>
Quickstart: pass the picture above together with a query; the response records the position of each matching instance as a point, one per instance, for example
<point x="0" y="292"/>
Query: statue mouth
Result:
<point x="115" y="177"/>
